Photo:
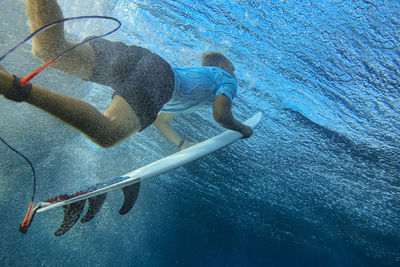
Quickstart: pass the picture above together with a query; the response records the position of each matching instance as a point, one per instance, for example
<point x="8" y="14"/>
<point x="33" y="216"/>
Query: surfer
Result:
<point x="147" y="89"/>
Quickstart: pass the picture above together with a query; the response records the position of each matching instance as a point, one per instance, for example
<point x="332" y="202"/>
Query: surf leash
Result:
<point x="24" y="85"/>
<point x="24" y="81"/>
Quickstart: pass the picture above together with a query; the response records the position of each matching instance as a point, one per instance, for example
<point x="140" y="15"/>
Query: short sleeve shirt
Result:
<point x="196" y="88"/>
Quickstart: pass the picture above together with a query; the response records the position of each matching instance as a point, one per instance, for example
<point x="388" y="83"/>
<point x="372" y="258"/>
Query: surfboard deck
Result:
<point x="130" y="182"/>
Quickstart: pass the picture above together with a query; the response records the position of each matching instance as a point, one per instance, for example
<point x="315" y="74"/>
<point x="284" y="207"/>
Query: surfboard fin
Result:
<point x="95" y="204"/>
<point x="131" y="194"/>
<point x="71" y="216"/>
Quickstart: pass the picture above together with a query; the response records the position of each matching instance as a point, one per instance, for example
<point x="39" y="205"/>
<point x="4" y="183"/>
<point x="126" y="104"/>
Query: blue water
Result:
<point x="316" y="185"/>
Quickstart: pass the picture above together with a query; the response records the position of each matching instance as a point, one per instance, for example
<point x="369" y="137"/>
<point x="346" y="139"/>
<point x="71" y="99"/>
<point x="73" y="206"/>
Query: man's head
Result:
<point x="215" y="59"/>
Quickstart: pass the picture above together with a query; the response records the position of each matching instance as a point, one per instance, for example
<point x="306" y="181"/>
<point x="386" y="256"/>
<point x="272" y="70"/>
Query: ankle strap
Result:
<point x="18" y="93"/>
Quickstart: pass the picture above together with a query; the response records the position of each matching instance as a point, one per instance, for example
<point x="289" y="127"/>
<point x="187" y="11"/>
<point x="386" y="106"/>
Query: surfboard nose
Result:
<point x="73" y="211"/>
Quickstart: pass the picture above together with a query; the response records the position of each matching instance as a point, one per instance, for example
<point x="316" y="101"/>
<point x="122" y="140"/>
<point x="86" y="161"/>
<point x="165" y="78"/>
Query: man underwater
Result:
<point x="147" y="89"/>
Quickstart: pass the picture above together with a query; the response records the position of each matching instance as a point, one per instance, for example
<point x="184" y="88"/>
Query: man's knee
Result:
<point x="114" y="135"/>
<point x="107" y="142"/>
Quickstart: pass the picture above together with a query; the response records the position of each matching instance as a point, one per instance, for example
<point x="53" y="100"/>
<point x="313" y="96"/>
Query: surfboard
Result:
<point x="130" y="182"/>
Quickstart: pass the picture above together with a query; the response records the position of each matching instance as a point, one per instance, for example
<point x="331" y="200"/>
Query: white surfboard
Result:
<point x="73" y="204"/>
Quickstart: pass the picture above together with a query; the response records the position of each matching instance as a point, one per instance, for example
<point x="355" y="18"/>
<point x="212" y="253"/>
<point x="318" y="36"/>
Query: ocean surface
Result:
<point x="316" y="185"/>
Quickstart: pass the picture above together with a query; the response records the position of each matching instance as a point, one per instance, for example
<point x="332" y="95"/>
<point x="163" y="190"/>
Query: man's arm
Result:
<point x="163" y="125"/>
<point x="222" y="112"/>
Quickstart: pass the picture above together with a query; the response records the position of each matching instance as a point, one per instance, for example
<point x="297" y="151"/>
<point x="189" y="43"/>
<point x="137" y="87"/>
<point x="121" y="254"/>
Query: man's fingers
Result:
<point x="247" y="132"/>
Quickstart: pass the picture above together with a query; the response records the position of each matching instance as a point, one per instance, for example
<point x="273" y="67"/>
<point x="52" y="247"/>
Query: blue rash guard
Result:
<point x="196" y="88"/>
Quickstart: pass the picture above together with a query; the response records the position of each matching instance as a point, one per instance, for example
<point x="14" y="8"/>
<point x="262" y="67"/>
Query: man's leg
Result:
<point x="118" y="122"/>
<point x="51" y="42"/>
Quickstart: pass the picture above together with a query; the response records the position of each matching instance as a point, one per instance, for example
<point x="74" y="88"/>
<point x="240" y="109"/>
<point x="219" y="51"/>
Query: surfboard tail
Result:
<point x="72" y="212"/>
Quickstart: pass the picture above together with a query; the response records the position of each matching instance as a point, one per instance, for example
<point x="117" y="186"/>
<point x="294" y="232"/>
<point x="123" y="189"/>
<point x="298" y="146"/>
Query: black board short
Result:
<point x="142" y="78"/>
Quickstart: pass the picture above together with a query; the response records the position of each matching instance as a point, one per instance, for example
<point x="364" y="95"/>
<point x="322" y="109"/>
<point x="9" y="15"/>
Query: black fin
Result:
<point x="131" y="194"/>
<point x="71" y="216"/>
<point x="95" y="204"/>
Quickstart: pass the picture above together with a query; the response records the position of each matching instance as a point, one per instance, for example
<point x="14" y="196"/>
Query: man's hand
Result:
<point x="246" y="131"/>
